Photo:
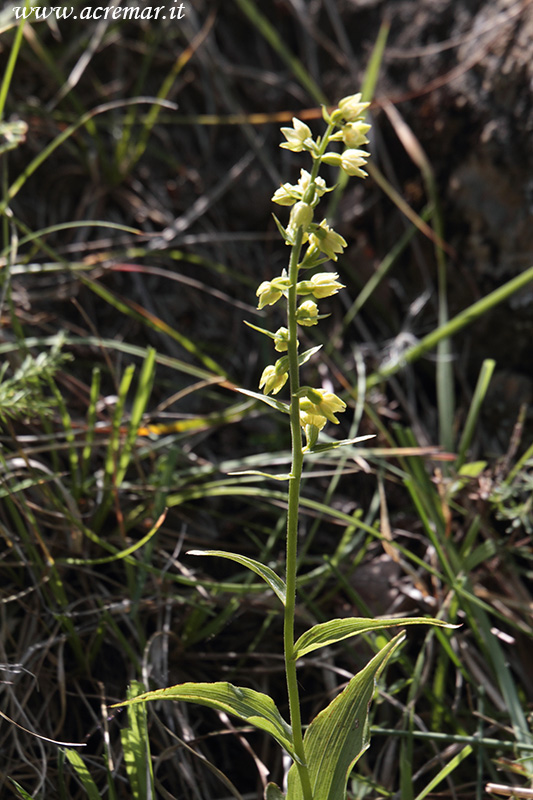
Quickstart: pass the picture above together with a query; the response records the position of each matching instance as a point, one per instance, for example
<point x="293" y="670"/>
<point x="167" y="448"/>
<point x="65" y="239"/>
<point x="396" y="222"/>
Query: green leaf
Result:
<point x="335" y="630"/>
<point x="136" y="747"/>
<point x="283" y="407"/>
<point x="269" y="576"/>
<point x="339" y="735"/>
<point x="283" y="231"/>
<point x="280" y="477"/>
<point x="273" y="792"/>
<point x="260" y="330"/>
<point x="83" y="774"/>
<point x="25" y="796"/>
<point x="445" y="771"/>
<point x="304" y="357"/>
<point x="322" y="448"/>
<point x="473" y="469"/>
<point x="253" y="707"/>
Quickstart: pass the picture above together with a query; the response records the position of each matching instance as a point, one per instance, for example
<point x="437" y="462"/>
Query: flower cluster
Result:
<point x="313" y="244"/>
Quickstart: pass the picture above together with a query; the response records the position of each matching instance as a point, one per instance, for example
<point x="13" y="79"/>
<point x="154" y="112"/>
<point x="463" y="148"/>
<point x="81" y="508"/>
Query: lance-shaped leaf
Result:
<point x="283" y="407"/>
<point x="305" y="356"/>
<point x="253" y="707"/>
<point x="339" y="734"/>
<point x="283" y="477"/>
<point x="335" y="630"/>
<point x="323" y="448"/>
<point x="264" y="572"/>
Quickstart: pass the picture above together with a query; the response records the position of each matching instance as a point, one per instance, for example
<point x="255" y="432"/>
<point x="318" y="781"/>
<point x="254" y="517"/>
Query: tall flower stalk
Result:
<point x="324" y="755"/>
<point x="309" y="409"/>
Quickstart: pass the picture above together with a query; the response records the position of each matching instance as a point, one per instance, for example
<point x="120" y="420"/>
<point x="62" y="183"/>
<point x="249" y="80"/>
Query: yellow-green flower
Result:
<point x="354" y="133"/>
<point x="269" y="292"/>
<point x="325" y="284"/>
<point x="327" y="240"/>
<point x="351" y="107"/>
<point x="272" y="380"/>
<point x="303" y="183"/>
<point x="285" y="195"/>
<point x="319" y="407"/>
<point x="352" y="160"/>
<point x="307" y="313"/>
<point x="298" y="137"/>
<point x="310" y="416"/>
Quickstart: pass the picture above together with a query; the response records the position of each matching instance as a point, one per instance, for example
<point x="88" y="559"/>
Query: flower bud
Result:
<point x="333" y="159"/>
<point x="281" y="340"/>
<point x="307" y="313"/>
<point x="301" y="216"/>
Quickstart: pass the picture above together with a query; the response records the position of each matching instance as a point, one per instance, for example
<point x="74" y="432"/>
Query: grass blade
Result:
<point x="136" y="747"/>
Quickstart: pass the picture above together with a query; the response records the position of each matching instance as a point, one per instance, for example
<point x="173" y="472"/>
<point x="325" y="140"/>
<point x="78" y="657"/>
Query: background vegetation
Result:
<point x="138" y="163"/>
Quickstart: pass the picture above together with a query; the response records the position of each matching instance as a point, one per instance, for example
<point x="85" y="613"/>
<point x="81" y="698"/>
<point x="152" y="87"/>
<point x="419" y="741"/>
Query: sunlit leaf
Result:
<point x="305" y="356"/>
<point x="268" y="575"/>
<point x="335" y="630"/>
<point x="136" y="747"/>
<point x="83" y="774"/>
<point x="339" y="735"/>
<point x="283" y="407"/>
<point x="322" y="448"/>
<point x="253" y="707"/>
<point x="25" y="796"/>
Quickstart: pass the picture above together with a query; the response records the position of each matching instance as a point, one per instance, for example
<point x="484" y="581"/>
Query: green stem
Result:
<point x="292" y="521"/>
<point x="294" y="494"/>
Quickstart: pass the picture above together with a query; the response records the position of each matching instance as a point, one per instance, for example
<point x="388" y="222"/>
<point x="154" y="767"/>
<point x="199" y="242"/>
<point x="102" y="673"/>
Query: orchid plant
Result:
<point x="324" y="752"/>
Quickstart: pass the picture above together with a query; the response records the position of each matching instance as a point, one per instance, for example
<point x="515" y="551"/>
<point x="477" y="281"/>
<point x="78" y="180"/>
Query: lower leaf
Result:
<point x="253" y="707"/>
<point x="338" y="735"/>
